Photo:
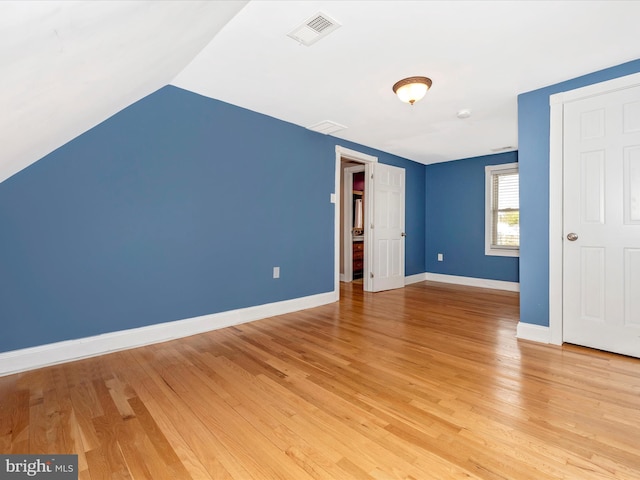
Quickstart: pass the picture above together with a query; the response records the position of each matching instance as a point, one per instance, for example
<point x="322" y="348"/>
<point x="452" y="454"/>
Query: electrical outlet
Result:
<point x="276" y="272"/>
<point x="440" y="257"/>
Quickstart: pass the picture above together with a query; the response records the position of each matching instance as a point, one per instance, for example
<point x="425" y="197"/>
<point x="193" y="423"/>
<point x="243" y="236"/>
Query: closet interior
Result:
<point x="357" y="232"/>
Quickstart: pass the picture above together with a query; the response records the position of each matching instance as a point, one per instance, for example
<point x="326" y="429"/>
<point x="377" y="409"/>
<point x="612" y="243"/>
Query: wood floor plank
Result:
<point x="19" y="421"/>
<point x="258" y="406"/>
<point x="108" y="428"/>
<point x="8" y="402"/>
<point x="428" y="381"/>
<point x="247" y="444"/>
<point x="86" y="407"/>
<point x="193" y="441"/>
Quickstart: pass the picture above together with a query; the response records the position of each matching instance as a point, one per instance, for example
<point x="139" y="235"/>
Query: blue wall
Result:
<point x="180" y="205"/>
<point x="177" y="206"/>
<point x="533" y="148"/>
<point x="455" y="217"/>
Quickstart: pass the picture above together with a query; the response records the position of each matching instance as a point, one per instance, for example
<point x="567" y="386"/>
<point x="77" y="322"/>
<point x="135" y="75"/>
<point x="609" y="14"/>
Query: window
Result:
<point x="502" y="219"/>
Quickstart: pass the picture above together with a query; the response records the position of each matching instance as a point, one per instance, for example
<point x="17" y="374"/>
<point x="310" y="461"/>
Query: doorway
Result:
<point x="383" y="235"/>
<point x="353" y="221"/>
<point x="348" y="163"/>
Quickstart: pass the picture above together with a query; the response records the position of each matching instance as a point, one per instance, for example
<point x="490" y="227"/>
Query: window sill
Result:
<point x="503" y="252"/>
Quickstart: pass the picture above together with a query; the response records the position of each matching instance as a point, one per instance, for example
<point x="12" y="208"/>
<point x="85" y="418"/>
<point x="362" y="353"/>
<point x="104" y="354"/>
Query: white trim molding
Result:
<point x="343" y="152"/>
<point x="474" y="282"/>
<point x="45" y="355"/>
<point x="419" y="277"/>
<point x="535" y="333"/>
<point x="367" y="160"/>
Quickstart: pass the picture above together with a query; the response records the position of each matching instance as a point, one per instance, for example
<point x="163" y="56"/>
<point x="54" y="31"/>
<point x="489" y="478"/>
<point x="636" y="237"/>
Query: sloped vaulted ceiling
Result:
<point x="67" y="66"/>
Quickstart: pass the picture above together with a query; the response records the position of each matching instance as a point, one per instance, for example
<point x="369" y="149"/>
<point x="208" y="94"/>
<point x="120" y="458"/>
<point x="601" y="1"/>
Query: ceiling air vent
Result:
<point x="313" y="29"/>
<point x="327" y="127"/>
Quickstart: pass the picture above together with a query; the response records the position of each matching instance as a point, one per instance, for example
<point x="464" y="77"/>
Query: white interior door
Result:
<point x="386" y="248"/>
<point x="601" y="250"/>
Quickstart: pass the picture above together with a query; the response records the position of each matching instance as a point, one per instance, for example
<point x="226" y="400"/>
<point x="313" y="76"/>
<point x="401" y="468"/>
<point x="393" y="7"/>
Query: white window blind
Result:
<point x="502" y="219"/>
<point x="506" y="210"/>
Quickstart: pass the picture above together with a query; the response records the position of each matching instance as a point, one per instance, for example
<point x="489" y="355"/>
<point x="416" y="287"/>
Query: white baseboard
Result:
<point x="473" y="282"/>
<point x="51" y="354"/>
<point x="535" y="333"/>
<point x="419" y="277"/>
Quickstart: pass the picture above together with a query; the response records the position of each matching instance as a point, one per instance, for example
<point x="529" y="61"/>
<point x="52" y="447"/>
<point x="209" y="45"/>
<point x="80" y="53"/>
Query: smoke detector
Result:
<point x="313" y="29"/>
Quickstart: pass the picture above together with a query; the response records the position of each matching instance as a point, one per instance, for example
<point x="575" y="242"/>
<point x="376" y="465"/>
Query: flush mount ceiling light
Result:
<point x="412" y="89"/>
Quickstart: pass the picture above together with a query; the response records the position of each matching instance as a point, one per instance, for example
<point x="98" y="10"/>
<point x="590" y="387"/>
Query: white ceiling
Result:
<point x="66" y="66"/>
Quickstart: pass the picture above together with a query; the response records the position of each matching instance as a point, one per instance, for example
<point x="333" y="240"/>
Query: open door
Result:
<point x="385" y="251"/>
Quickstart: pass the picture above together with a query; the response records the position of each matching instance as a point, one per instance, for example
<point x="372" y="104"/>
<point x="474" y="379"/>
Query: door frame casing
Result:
<point x="556" y="190"/>
<point x="368" y="161"/>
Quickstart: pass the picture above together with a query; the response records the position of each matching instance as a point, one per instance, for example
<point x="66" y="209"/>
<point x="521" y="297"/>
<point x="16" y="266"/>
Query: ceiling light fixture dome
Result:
<point x="412" y="89"/>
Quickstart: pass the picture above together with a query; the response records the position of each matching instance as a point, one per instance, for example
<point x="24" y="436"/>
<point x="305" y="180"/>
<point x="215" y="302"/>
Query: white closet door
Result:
<point x="601" y="252"/>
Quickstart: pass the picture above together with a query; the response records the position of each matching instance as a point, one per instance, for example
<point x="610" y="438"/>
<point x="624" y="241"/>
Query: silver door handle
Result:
<point x="403" y="234"/>
<point x="572" y="237"/>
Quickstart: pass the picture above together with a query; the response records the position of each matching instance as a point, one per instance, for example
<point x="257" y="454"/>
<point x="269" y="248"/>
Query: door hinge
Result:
<point x="371" y="274"/>
<point x="372" y="225"/>
<point x="372" y="176"/>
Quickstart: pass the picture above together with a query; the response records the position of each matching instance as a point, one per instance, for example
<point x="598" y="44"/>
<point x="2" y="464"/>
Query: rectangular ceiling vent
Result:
<point x="327" y="127"/>
<point x="317" y="26"/>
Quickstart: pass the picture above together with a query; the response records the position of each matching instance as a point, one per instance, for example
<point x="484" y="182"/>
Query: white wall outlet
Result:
<point x="440" y="257"/>
<point x="276" y="272"/>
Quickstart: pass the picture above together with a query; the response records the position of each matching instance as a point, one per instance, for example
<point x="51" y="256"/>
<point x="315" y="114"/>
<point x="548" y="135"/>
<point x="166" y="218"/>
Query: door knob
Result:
<point x="572" y="237"/>
<point x="403" y="234"/>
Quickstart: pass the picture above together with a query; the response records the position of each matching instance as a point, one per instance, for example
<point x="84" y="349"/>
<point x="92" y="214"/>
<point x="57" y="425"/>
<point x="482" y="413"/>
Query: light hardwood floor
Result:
<point x="427" y="382"/>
